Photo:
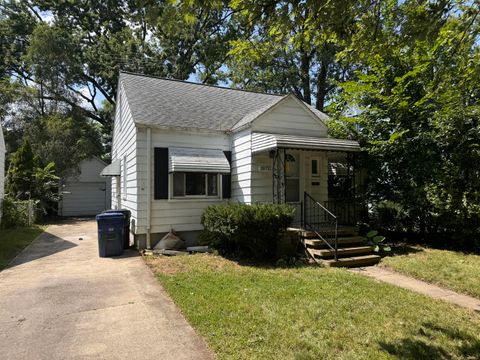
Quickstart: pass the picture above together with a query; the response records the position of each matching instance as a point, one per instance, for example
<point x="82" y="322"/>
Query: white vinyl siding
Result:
<point x="124" y="148"/>
<point x="124" y="177"/>
<point x="291" y="118"/>
<point x="242" y="166"/>
<point x="180" y="214"/>
<point x="262" y="178"/>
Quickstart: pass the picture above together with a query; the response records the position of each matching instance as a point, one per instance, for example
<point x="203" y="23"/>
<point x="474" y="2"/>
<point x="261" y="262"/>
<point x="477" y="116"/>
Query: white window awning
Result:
<point x="112" y="170"/>
<point x="266" y="141"/>
<point x="197" y="160"/>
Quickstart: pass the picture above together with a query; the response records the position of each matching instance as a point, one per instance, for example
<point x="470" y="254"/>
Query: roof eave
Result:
<point x="179" y="128"/>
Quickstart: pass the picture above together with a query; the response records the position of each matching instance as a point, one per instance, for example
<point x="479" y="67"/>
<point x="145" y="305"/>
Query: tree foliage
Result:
<point x="291" y="46"/>
<point x="417" y="93"/>
<point x="73" y="53"/>
<point x="30" y="178"/>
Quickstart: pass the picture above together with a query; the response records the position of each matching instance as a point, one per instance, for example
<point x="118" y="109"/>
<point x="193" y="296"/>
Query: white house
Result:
<point x="87" y="193"/>
<point x="179" y="147"/>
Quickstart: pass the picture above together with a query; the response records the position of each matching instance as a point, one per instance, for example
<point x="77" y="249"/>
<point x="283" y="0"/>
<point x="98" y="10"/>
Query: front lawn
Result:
<point x="451" y="269"/>
<point x="247" y="312"/>
<point x="12" y="241"/>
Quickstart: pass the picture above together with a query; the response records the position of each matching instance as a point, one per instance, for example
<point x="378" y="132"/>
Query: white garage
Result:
<point x="86" y="194"/>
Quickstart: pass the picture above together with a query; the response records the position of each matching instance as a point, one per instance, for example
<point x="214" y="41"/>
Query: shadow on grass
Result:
<point x="287" y="263"/>
<point x="420" y="345"/>
<point x="402" y="249"/>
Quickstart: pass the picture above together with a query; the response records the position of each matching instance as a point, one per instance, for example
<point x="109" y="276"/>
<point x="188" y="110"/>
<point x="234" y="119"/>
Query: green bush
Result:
<point x="389" y="216"/>
<point x="17" y="213"/>
<point x="248" y="230"/>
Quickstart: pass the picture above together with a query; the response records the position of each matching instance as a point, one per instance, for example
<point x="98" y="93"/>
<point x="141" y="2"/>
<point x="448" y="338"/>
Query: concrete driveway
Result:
<point x="59" y="300"/>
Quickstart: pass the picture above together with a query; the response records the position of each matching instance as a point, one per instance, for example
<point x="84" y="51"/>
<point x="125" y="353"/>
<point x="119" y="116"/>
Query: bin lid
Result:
<point x="123" y="211"/>
<point x="110" y="215"/>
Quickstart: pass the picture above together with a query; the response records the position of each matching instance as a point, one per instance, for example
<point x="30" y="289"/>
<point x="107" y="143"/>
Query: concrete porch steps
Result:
<point x="354" y="261"/>
<point x="351" y="252"/>
<point x="344" y="231"/>
<point x="347" y="251"/>
<point x="342" y="241"/>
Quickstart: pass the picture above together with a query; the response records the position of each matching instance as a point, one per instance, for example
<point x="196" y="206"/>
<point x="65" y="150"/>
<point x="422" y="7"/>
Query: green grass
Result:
<point x="451" y="269"/>
<point x="12" y="241"/>
<point x="248" y="312"/>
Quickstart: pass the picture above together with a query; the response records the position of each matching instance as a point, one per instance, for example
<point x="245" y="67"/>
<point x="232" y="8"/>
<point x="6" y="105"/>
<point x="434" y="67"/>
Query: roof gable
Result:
<point x="292" y="116"/>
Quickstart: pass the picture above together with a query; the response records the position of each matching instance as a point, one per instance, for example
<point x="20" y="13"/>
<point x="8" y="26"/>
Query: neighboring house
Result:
<point x="179" y="147"/>
<point x="88" y="193"/>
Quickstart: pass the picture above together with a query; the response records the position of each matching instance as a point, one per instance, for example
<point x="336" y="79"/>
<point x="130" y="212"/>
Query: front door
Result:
<point x="292" y="177"/>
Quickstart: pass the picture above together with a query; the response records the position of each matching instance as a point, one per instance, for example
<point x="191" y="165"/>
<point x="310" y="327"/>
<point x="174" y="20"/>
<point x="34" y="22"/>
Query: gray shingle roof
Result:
<point x="173" y="103"/>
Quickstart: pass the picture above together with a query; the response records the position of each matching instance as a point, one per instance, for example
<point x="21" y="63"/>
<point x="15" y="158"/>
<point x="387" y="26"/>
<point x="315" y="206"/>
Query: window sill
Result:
<point x="192" y="199"/>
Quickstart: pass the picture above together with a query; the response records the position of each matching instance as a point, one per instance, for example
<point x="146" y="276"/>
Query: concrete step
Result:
<point x="353" y="261"/>
<point x="342" y="252"/>
<point x="343" y="231"/>
<point x="342" y="242"/>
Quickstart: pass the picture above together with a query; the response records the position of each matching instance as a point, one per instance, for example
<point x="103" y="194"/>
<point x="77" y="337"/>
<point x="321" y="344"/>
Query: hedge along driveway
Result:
<point x="247" y="312"/>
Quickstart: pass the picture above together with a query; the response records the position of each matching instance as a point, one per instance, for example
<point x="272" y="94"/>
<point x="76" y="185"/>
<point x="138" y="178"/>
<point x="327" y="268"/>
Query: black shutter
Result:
<point x="161" y="173"/>
<point x="227" y="178"/>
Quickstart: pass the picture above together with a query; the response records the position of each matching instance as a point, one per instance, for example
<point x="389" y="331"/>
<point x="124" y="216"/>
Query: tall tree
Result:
<point x="291" y="46"/>
<point x="72" y="54"/>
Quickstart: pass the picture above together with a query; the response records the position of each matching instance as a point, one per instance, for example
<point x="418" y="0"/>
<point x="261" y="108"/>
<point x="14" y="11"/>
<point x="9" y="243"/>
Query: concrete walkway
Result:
<point x="59" y="300"/>
<point x="419" y="286"/>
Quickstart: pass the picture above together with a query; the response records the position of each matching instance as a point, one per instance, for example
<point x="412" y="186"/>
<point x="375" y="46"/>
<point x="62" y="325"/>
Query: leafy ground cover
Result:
<point x="455" y="270"/>
<point x="249" y="312"/>
<point x="12" y="241"/>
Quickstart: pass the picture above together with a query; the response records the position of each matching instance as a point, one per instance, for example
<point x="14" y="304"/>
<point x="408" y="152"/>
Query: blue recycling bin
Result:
<point x="126" y="225"/>
<point x="110" y="234"/>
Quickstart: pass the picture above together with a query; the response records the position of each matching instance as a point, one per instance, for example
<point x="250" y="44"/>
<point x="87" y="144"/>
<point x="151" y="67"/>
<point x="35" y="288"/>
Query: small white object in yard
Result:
<point x="147" y="252"/>
<point x="170" y="242"/>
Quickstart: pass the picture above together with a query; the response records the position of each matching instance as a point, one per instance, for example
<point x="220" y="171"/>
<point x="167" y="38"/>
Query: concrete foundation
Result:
<point x="191" y="238"/>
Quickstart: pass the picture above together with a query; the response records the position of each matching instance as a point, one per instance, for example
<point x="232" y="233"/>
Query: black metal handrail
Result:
<point x="321" y="221"/>
<point x="344" y="209"/>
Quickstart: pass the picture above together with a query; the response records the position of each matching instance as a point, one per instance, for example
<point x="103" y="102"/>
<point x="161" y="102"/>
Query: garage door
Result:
<point x="83" y="198"/>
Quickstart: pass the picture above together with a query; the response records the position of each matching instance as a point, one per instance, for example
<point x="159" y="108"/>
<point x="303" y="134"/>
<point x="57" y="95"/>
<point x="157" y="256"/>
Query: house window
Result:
<point x="195" y="184"/>
<point x="315" y="167"/>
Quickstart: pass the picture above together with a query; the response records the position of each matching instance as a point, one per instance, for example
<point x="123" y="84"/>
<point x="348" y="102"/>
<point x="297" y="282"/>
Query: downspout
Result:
<point x="117" y="191"/>
<point x="149" y="184"/>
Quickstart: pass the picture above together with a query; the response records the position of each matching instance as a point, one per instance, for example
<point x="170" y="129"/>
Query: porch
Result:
<point x="319" y="177"/>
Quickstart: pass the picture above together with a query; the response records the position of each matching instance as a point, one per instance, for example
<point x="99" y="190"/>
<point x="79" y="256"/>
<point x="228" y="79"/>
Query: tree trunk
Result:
<point x="322" y="86"/>
<point x="305" y="77"/>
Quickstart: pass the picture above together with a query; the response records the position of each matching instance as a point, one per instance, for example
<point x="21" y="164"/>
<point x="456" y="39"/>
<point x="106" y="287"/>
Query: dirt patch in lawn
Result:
<point x="171" y="265"/>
